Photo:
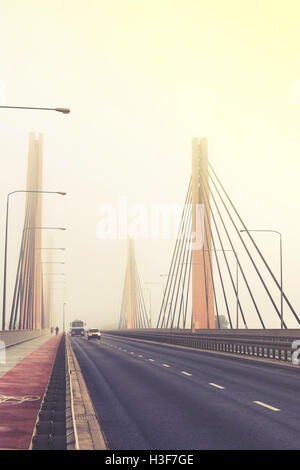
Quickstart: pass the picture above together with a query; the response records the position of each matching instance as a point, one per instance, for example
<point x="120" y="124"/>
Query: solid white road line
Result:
<point x="266" y="405"/>
<point x="216" y="385"/>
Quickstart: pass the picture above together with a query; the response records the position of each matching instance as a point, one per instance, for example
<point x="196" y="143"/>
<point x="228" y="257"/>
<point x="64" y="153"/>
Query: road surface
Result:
<point x="149" y="396"/>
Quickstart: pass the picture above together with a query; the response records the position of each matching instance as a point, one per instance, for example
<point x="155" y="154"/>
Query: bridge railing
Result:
<point x="272" y="345"/>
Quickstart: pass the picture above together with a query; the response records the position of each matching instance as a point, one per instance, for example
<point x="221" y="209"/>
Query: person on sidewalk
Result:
<point x="56" y="330"/>
<point x="51" y="330"/>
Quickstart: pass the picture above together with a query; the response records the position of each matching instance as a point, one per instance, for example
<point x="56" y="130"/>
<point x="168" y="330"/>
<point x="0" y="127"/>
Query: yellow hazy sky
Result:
<point x="142" y="78"/>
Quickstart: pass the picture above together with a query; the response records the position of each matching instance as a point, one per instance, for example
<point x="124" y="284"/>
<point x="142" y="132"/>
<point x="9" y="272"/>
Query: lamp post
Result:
<point x="149" y="289"/>
<point x="149" y="283"/>
<point x="64" y="304"/>
<point x="59" y="110"/>
<point x="281" y="274"/>
<point x="6" y="241"/>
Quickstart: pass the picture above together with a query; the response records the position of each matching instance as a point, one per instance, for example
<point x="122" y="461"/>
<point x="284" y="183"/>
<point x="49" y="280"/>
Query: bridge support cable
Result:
<point x="219" y="232"/>
<point x="215" y="251"/>
<point x="254" y="244"/>
<point x="240" y="266"/>
<point x="185" y="285"/>
<point x="17" y="295"/>
<point x="178" y="280"/>
<point x="122" y="322"/>
<point x="226" y="259"/>
<point x="249" y="255"/>
<point x="173" y="278"/>
<point x="162" y="314"/>
<point x="173" y="266"/>
<point x="189" y="265"/>
<point x="212" y="276"/>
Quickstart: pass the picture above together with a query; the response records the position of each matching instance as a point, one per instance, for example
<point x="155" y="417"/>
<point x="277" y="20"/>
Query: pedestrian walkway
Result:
<point x="22" y="387"/>
<point x="15" y="354"/>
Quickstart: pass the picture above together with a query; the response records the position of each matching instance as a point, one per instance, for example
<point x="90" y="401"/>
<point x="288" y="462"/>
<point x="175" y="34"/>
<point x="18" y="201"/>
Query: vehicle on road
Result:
<point x="93" y="333"/>
<point x="77" y="328"/>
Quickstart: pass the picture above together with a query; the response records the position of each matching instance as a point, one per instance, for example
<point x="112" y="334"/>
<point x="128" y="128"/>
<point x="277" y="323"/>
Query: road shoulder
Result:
<point x="88" y="434"/>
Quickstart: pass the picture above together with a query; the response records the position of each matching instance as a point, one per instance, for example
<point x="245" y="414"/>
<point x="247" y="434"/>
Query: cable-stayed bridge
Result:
<point x="217" y="270"/>
<point x="220" y="370"/>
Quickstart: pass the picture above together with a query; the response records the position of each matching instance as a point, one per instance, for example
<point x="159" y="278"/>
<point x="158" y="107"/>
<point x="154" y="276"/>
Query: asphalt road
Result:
<point x="149" y="396"/>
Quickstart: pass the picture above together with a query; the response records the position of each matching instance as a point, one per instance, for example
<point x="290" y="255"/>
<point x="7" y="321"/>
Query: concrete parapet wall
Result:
<point x="12" y="337"/>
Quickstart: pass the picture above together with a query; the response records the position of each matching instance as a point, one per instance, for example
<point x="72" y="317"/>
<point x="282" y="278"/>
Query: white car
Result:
<point x="93" y="333"/>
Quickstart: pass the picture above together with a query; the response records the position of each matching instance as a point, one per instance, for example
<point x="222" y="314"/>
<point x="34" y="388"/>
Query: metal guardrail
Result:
<point x="253" y="345"/>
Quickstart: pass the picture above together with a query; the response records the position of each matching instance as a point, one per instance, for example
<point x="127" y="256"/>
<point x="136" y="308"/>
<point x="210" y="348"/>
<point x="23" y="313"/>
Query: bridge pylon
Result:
<point x="27" y="311"/>
<point x="203" y="314"/>
<point x="133" y="311"/>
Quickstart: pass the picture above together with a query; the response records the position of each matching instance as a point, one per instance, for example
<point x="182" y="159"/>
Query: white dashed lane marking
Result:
<point x="216" y="385"/>
<point x="266" y="405"/>
<point x="260" y="403"/>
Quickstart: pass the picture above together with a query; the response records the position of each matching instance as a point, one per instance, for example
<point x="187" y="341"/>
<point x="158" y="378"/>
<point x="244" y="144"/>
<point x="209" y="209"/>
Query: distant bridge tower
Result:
<point x="133" y="310"/>
<point x="27" y="310"/>
<point x="203" y="315"/>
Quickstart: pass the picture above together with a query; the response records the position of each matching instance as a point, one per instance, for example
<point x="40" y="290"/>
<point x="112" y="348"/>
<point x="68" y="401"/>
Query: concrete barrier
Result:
<point x="12" y="337"/>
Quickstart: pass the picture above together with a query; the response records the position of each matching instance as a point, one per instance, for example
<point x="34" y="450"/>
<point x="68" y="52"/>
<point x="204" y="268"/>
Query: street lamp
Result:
<point x="59" y="110"/>
<point x="281" y="275"/>
<point x="149" y="289"/>
<point x="149" y="283"/>
<point x="6" y="240"/>
<point x="64" y="304"/>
